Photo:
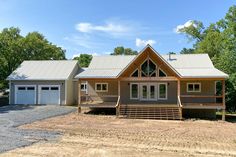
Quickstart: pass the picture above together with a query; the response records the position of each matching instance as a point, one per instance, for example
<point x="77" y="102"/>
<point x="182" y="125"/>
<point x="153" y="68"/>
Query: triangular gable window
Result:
<point x="135" y="73"/>
<point x="162" y="73"/>
<point x="148" y="69"/>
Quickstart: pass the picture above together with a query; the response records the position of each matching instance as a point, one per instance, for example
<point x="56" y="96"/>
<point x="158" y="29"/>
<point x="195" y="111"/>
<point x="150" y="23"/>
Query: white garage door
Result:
<point x="49" y="94"/>
<point x="25" y="94"/>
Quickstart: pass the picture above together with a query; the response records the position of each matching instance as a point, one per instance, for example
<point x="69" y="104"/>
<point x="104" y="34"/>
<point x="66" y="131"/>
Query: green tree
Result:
<point x="187" y="51"/>
<point x="84" y="59"/>
<point x="120" y="50"/>
<point x="14" y="49"/>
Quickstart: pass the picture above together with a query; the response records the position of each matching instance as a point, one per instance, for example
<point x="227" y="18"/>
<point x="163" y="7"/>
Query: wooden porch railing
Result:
<point x="118" y="107"/>
<point x="202" y="104"/>
<point x="180" y="107"/>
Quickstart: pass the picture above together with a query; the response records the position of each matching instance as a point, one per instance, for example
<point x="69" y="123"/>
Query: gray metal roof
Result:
<point x="106" y="66"/>
<point x="186" y="65"/>
<point x="44" y="70"/>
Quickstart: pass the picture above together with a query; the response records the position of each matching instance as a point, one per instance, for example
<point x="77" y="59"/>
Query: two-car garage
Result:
<point x="37" y="94"/>
<point x="43" y="82"/>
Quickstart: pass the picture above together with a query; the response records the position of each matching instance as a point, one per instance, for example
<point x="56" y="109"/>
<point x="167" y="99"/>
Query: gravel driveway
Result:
<point x="13" y="116"/>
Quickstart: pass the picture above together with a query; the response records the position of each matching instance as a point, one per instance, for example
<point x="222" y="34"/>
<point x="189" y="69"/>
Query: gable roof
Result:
<point x="184" y="65"/>
<point x="44" y="70"/>
<point x="106" y="66"/>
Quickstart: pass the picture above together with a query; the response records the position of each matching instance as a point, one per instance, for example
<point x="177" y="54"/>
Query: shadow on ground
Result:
<point x="7" y="108"/>
<point x="102" y="111"/>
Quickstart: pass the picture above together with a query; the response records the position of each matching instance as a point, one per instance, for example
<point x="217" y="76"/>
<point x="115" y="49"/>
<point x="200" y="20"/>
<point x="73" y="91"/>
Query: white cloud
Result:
<point x="109" y="27"/>
<point x="141" y="43"/>
<point x="187" y="24"/>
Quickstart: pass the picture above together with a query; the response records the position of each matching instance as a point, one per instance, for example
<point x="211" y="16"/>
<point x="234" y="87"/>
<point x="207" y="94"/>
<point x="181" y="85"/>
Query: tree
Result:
<point x="84" y="59"/>
<point x="219" y="41"/>
<point x="14" y="49"/>
<point x="120" y="50"/>
<point x="187" y="51"/>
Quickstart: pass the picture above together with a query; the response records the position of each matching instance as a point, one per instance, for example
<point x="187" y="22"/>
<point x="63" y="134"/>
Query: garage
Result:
<point x="49" y="94"/>
<point x="44" y="82"/>
<point x="25" y="94"/>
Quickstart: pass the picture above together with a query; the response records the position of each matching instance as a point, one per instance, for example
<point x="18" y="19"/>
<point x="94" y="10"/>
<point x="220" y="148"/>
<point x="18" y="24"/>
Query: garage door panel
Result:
<point x="25" y="95"/>
<point x="49" y="95"/>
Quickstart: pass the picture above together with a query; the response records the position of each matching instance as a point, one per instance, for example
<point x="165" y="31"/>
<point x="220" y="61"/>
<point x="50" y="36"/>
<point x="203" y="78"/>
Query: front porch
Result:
<point x="152" y="109"/>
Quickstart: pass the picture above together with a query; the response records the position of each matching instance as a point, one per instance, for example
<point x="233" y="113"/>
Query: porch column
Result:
<point x="178" y="98"/>
<point x="223" y="100"/>
<point x="118" y="107"/>
<point x="79" y="96"/>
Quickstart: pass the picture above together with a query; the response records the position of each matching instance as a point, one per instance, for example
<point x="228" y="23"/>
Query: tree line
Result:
<point x="15" y="48"/>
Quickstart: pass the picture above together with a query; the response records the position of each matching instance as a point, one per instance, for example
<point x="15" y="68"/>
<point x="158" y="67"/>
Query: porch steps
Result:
<point x="149" y="112"/>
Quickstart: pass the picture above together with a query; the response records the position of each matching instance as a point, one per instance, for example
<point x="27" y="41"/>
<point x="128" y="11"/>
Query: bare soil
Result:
<point x="97" y="135"/>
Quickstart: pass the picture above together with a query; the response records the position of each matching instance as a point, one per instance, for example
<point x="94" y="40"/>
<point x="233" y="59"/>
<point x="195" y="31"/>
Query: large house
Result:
<point x="147" y="85"/>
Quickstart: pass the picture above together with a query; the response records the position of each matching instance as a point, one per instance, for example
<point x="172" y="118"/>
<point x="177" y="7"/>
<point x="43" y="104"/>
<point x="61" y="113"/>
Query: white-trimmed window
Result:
<point x="101" y="87"/>
<point x="135" y="73"/>
<point x="134" y="91"/>
<point x="83" y="87"/>
<point x="161" y="73"/>
<point x="193" y="87"/>
<point x="162" y="91"/>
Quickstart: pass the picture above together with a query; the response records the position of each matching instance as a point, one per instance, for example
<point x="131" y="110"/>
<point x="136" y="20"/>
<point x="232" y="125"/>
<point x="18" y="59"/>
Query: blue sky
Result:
<point x="98" y="26"/>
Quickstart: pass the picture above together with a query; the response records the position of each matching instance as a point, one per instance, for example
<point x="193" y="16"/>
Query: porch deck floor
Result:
<point x="202" y="105"/>
<point x="98" y="104"/>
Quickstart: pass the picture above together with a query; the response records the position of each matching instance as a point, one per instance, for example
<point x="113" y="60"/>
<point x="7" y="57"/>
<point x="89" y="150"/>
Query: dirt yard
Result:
<point x="94" y="135"/>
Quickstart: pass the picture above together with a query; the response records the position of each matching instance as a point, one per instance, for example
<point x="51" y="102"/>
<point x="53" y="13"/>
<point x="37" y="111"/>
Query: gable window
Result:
<point x="101" y="87"/>
<point x="162" y="93"/>
<point x="161" y="73"/>
<point x="148" y="68"/>
<point x="135" y="73"/>
<point x="83" y="87"/>
<point x="193" y="87"/>
<point x="134" y="91"/>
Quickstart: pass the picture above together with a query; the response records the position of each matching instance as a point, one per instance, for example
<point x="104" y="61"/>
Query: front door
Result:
<point x="148" y="91"/>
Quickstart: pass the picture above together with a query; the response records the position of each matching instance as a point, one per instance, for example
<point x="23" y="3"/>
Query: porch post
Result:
<point x="178" y="98"/>
<point x="223" y="100"/>
<point x="79" y="96"/>
<point x="118" y="107"/>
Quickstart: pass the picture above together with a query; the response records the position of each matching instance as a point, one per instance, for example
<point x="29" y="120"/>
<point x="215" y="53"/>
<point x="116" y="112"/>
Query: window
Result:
<point x="21" y="88"/>
<point x="135" y="73"/>
<point x="54" y="88"/>
<point x="45" y="88"/>
<point x="83" y="87"/>
<point x="134" y="91"/>
<point x="161" y="73"/>
<point x="101" y="87"/>
<point x="30" y="88"/>
<point x="148" y="69"/>
<point x="162" y="91"/>
<point x="193" y="87"/>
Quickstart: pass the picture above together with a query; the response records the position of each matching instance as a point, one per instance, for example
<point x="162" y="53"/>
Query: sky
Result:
<point x="98" y="26"/>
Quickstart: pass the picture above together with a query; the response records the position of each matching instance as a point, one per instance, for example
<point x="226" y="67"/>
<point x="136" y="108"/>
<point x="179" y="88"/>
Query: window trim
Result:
<point x="131" y="91"/>
<point x="101" y="83"/>
<point x="194" y="83"/>
<point x="134" y="72"/>
<point x="85" y="85"/>
<point x="148" y="69"/>
<point x="165" y="93"/>
<point x="162" y="71"/>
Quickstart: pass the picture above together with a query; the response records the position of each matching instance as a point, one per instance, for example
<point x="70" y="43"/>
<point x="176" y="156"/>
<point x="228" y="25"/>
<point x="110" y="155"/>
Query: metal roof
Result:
<point x="44" y="70"/>
<point x="186" y="65"/>
<point x="106" y="66"/>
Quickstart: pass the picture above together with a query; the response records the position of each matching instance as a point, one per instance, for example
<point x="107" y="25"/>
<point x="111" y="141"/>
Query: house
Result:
<point x="147" y="85"/>
<point x="43" y="82"/>
<point x="150" y="85"/>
